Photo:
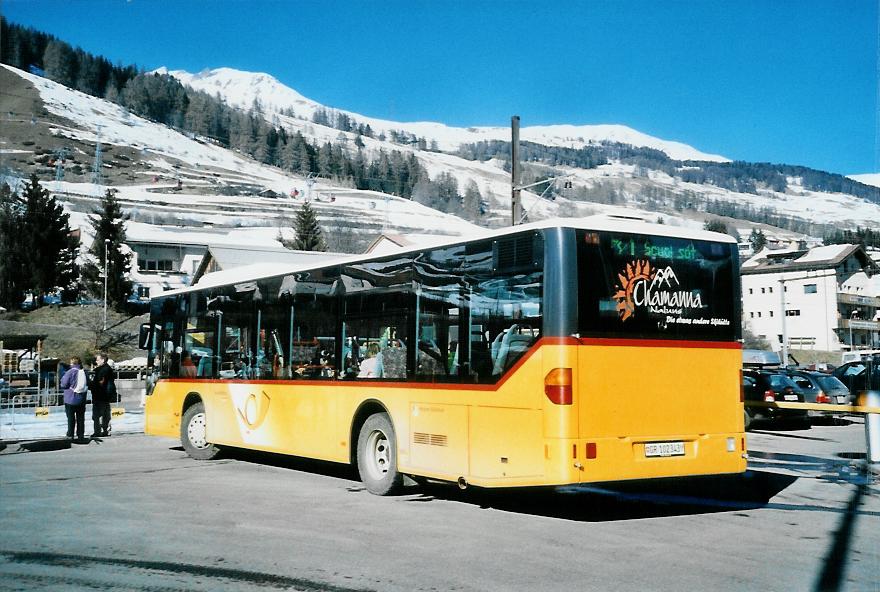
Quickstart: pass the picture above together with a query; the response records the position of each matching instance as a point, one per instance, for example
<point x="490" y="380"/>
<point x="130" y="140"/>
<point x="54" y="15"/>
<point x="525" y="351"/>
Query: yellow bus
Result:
<point x="564" y="352"/>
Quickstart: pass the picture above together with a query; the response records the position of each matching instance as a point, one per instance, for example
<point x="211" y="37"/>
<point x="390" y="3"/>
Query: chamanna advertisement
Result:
<point x="657" y="287"/>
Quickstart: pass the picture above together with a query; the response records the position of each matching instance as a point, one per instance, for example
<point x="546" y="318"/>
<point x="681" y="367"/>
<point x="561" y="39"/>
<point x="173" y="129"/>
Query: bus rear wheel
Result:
<point x="377" y="455"/>
<point x="193" y="434"/>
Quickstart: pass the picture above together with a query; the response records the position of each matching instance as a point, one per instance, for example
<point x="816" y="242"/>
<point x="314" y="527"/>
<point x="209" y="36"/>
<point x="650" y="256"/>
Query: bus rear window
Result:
<point x="656" y="287"/>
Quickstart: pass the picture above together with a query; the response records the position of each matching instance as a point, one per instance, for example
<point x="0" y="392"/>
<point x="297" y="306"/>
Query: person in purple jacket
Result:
<point x="75" y="387"/>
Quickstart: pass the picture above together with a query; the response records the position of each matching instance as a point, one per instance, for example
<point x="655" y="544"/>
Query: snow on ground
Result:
<point x="120" y="127"/>
<point x="242" y="89"/>
<point x="867" y="178"/>
<point x="340" y="209"/>
<point x="23" y="424"/>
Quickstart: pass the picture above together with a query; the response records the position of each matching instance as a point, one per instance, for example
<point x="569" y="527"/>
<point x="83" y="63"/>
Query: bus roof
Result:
<point x="600" y="222"/>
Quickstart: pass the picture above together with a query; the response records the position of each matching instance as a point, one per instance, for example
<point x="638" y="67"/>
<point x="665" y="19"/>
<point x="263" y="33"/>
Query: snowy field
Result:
<point x="198" y="206"/>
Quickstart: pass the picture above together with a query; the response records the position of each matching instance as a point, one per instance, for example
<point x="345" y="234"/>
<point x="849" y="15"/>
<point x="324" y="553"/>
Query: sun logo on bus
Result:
<point x="635" y="272"/>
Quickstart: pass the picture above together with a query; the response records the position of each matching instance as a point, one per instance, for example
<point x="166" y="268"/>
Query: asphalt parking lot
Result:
<point x="132" y="512"/>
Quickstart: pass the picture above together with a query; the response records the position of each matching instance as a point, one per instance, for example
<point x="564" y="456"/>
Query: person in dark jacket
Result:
<point x="74" y="384"/>
<point x="103" y="387"/>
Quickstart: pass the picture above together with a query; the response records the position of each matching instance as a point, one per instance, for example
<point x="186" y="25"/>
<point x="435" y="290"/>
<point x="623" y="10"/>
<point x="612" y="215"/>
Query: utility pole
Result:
<point x="784" y="332"/>
<point x="515" y="203"/>
<point x="310" y="180"/>
<point x="106" y="249"/>
<point x="60" y="157"/>
<point x="96" y="167"/>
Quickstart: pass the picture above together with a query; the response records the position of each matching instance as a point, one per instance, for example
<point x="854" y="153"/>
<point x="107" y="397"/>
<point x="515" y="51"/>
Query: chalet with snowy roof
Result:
<point x="228" y="257"/>
<point x="825" y="298"/>
<point x="168" y="257"/>
<point x="388" y="243"/>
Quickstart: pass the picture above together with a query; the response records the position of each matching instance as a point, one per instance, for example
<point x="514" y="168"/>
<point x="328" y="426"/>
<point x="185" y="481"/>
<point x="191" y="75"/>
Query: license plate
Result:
<point x="791" y="397"/>
<point x="841" y="400"/>
<point x="664" y="449"/>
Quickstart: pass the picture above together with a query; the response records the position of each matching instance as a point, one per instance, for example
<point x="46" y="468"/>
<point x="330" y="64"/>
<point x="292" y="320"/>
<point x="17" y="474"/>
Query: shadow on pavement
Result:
<point x="283" y="461"/>
<point x="844" y="468"/>
<point x="624" y="500"/>
<point x="835" y="561"/>
<point x="627" y="500"/>
<point x="786" y="435"/>
<point x="587" y="503"/>
<point x="45" y="445"/>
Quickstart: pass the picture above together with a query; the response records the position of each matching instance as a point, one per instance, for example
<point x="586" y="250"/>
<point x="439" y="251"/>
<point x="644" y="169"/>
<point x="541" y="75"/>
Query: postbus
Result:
<point x="554" y="353"/>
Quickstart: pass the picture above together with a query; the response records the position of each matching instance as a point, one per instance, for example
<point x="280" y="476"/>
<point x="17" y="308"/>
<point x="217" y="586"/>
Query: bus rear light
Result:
<point x="731" y="445"/>
<point x="591" y="450"/>
<point x="822" y="398"/>
<point x="769" y="396"/>
<point x="558" y="387"/>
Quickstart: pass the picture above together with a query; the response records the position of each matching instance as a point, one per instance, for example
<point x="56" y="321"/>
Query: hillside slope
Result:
<point x="171" y="178"/>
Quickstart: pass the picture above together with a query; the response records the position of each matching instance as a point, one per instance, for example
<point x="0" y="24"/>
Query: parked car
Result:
<point x="772" y="386"/>
<point x="860" y="376"/>
<point x="30" y="301"/>
<point x="821" y="388"/>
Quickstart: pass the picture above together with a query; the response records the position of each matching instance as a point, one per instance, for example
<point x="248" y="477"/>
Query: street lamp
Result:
<point x="784" y="351"/>
<point x="106" y="248"/>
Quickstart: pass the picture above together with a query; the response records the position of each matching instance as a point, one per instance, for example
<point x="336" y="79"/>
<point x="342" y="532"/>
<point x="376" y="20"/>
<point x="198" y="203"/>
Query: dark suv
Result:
<point x="772" y="386"/>
<point x="860" y="376"/>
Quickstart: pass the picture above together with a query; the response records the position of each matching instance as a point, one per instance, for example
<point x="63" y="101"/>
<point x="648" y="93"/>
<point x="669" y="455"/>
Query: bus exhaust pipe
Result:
<point x="462" y="483"/>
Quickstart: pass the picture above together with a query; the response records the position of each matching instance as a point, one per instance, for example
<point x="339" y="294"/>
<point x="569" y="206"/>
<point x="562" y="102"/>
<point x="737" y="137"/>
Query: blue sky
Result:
<point x="759" y="80"/>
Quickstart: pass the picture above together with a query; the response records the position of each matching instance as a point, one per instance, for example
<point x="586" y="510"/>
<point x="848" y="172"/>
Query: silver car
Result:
<point x="821" y="388"/>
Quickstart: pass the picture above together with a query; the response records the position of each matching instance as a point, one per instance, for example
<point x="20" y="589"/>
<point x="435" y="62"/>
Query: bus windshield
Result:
<point x="656" y="287"/>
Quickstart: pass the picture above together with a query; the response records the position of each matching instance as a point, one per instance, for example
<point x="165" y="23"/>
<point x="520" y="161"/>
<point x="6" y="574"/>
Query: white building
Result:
<point x="830" y="295"/>
<point x="167" y="257"/>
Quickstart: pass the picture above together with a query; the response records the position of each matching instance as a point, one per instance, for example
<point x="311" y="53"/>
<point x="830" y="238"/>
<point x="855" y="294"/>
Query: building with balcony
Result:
<point x="168" y="257"/>
<point x="825" y="298"/>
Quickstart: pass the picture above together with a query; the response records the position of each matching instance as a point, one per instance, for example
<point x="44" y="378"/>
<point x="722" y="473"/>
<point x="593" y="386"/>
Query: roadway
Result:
<point x="132" y="512"/>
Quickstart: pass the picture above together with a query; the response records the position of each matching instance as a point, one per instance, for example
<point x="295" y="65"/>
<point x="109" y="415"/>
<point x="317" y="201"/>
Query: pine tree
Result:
<point x="426" y="193"/>
<point x="715" y="225"/>
<point x="757" y="240"/>
<point x="12" y="269"/>
<point x="109" y="225"/>
<point x="46" y="240"/>
<point x="325" y="160"/>
<point x="472" y="203"/>
<point x="308" y="232"/>
<point x="59" y="63"/>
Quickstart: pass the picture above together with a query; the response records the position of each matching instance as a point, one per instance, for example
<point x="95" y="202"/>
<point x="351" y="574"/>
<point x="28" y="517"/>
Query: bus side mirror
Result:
<point x="145" y="336"/>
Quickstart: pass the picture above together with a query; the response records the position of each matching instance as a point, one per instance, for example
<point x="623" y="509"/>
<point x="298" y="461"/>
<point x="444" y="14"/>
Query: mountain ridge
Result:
<point x="614" y="187"/>
<point x="244" y="87"/>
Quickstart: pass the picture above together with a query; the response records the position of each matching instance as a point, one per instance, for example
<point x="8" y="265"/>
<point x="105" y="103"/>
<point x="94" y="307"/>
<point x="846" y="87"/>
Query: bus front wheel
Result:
<point x="377" y="455"/>
<point x="193" y="434"/>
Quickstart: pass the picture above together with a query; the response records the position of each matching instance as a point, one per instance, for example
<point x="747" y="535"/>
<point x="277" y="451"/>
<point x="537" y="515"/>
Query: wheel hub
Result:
<point x="378" y="460"/>
<point x="195" y="431"/>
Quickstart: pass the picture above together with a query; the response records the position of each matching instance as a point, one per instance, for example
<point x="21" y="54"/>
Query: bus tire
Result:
<point x="377" y="455"/>
<point x="192" y="434"/>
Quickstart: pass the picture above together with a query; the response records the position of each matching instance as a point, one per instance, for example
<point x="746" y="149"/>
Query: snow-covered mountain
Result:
<point x="165" y="178"/>
<point x="170" y="178"/>
<point x="244" y="89"/>
<point x="872" y="179"/>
